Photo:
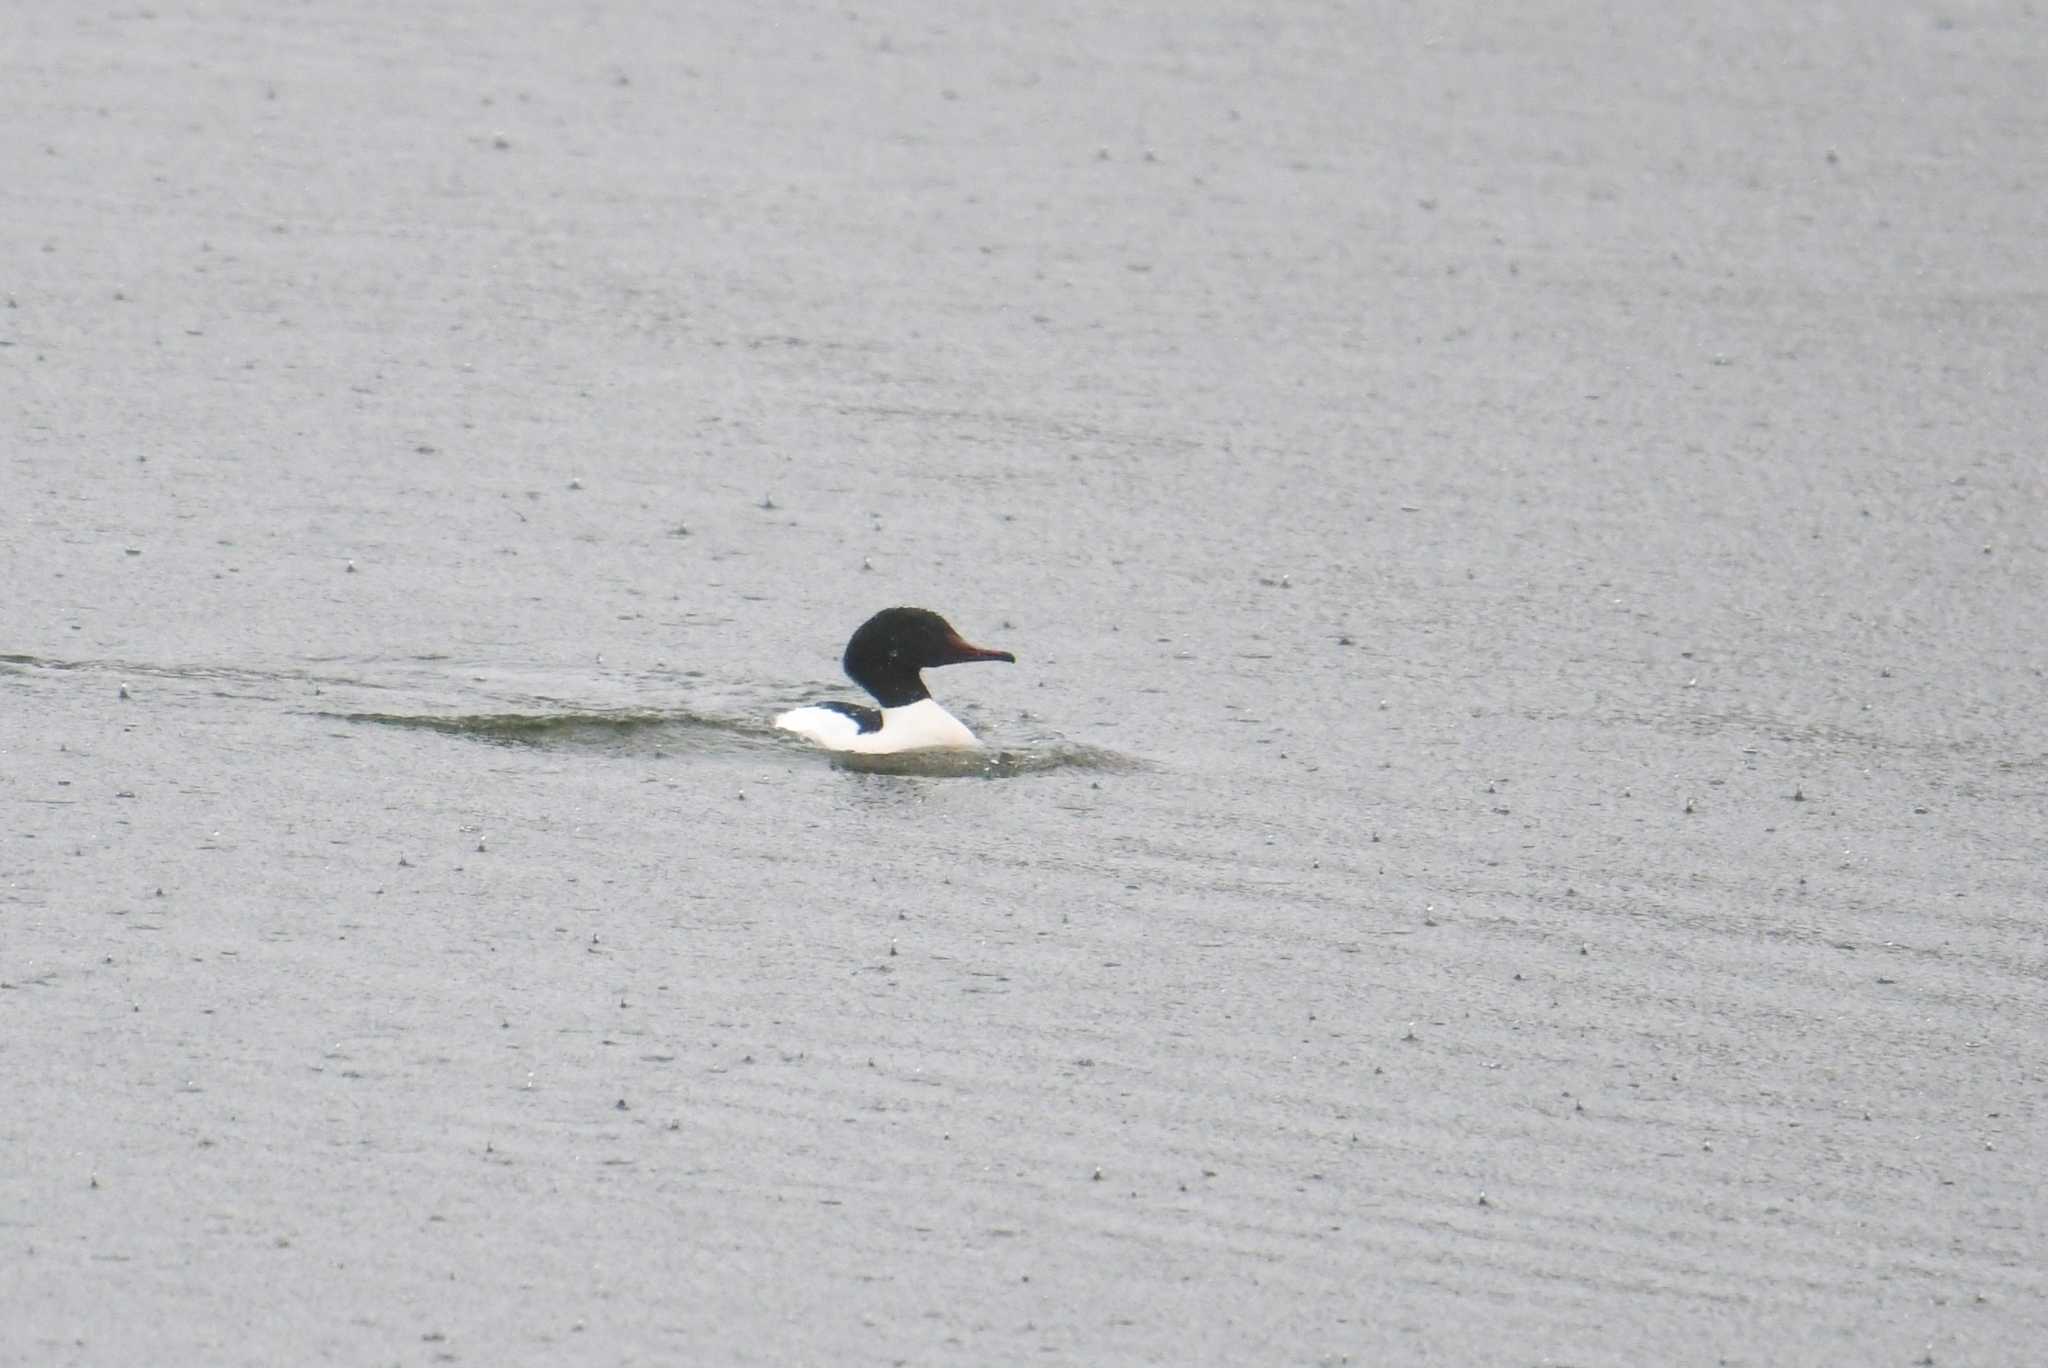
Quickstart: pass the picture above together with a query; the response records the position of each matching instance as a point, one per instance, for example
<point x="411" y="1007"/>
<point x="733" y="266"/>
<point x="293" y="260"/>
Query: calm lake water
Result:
<point x="1515" y="834"/>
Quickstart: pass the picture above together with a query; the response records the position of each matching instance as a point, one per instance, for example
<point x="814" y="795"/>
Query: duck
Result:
<point x="887" y="655"/>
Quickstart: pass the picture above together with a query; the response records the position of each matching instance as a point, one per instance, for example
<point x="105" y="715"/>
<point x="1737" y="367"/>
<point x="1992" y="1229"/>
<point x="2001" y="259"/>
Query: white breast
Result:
<point x="922" y="725"/>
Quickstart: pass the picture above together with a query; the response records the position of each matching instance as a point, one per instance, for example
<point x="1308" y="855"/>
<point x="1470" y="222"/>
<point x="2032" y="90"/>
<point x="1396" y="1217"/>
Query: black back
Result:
<point x="869" y="719"/>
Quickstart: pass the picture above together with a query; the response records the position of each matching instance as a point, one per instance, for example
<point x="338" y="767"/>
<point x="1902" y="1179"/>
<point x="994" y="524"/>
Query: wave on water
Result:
<point x="625" y="728"/>
<point x="672" y="731"/>
<point x="622" y="731"/>
<point x="1006" y="762"/>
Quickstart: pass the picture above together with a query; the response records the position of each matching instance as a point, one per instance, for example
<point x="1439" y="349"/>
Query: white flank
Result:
<point x="827" y="727"/>
<point x="922" y="725"/>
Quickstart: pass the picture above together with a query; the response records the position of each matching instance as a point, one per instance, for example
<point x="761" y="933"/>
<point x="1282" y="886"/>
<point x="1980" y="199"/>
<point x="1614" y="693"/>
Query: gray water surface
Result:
<point x="1515" y="835"/>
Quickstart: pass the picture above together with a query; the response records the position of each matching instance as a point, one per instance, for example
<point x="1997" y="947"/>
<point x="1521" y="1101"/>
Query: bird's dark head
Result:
<point x="890" y="648"/>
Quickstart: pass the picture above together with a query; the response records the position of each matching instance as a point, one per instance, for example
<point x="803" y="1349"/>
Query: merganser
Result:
<point x="885" y="657"/>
